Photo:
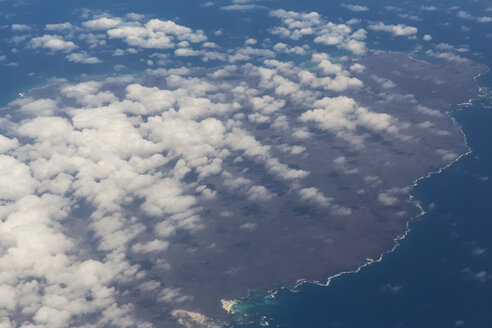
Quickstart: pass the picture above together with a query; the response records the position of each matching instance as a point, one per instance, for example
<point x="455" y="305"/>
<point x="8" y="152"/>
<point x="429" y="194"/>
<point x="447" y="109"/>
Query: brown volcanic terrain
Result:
<point x="178" y="182"/>
<point x="292" y="240"/>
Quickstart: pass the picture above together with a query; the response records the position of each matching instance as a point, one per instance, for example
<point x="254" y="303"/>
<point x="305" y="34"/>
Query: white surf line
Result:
<point x="417" y="203"/>
<point x="411" y="198"/>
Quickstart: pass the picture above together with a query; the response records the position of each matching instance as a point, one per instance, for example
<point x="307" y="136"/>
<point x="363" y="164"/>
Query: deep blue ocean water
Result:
<point x="440" y="275"/>
<point x="35" y="68"/>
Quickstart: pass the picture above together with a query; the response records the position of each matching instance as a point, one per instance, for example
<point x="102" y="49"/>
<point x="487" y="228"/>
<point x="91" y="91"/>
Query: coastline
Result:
<point x="228" y="305"/>
<point x="272" y="293"/>
<point x="52" y="81"/>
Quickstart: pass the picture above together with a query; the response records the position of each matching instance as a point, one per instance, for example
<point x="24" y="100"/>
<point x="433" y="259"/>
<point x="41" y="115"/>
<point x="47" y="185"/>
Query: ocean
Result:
<point x="438" y="276"/>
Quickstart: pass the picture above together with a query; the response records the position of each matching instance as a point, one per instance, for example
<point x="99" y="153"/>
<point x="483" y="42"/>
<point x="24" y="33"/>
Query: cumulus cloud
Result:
<point x="357" y="68"/>
<point x="468" y="16"/>
<point x="155" y="245"/>
<point x="355" y="8"/>
<point x="7" y="144"/>
<point x="52" y="42"/>
<point x="450" y="56"/>
<point x="396" y="30"/>
<point x="249" y="226"/>
<point x="387" y="200"/>
<point x="103" y="23"/>
<point x="137" y="33"/>
<point x="341" y="35"/>
<point x="392" y="196"/>
<point x="284" y="48"/>
<point x="428" y="8"/>
<point x="298" y="25"/>
<point x="342" y="116"/>
<point x="447" y="155"/>
<point x="58" y="27"/>
<point x="20" y="27"/>
<point x="36" y="106"/>
<point x="125" y="168"/>
<point x="15" y="179"/>
<point x="81" y="57"/>
<point x="314" y="195"/>
<point x="385" y="83"/>
<point x="156" y="34"/>
<point x="479" y="251"/>
<point x="259" y="193"/>
<point x="428" y="111"/>
<point x="241" y="7"/>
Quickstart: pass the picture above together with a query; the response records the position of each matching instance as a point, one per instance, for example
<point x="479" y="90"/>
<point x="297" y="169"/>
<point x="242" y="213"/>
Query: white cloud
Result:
<point x="353" y="21"/>
<point x="479" y="251"/>
<point x="484" y="19"/>
<point x="428" y="8"/>
<point x="465" y="15"/>
<point x="165" y="197"/>
<point x="342" y="115"/>
<point x="249" y="226"/>
<point x="387" y="200"/>
<point x="241" y="7"/>
<point x="314" y="195"/>
<point x="482" y="276"/>
<point x="284" y="48"/>
<point x="342" y="36"/>
<point x="52" y="42"/>
<point x="155" y="245"/>
<point x="250" y="42"/>
<point x="81" y="57"/>
<point x="448" y="56"/>
<point x="94" y="40"/>
<point x="7" y="144"/>
<point x="412" y="17"/>
<point x="20" y="27"/>
<point x="428" y="111"/>
<point x="36" y="106"/>
<point x="357" y="68"/>
<point x="385" y="83"/>
<point x="58" y="27"/>
<point x="267" y="104"/>
<point x="259" y="193"/>
<point x="447" y="155"/>
<point x="396" y="30"/>
<point x="135" y="16"/>
<point x="298" y="25"/>
<point x="186" y="52"/>
<point x="15" y="179"/>
<point x="293" y="150"/>
<point x="103" y="23"/>
<point x="156" y="34"/>
<point x="356" y="8"/>
<point x="448" y="47"/>
<point x="166" y="150"/>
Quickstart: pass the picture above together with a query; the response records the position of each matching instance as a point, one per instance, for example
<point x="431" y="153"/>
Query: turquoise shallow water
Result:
<point x="439" y="276"/>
